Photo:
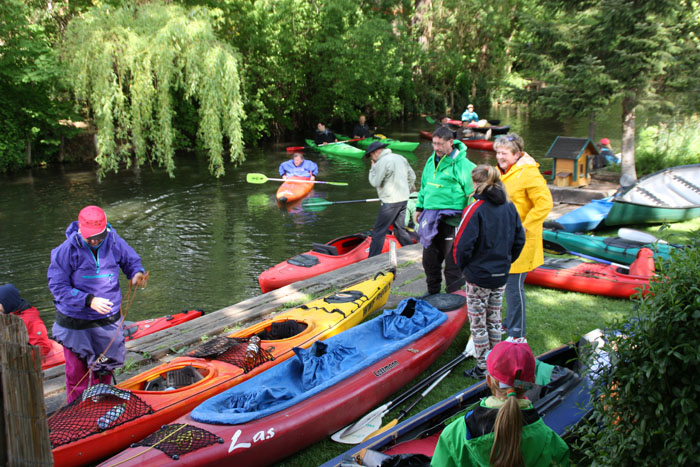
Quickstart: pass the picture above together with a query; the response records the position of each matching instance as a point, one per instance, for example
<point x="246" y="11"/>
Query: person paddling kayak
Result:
<point x="298" y="167"/>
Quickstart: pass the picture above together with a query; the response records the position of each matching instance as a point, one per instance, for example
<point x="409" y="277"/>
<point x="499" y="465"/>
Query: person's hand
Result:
<point x="101" y="305"/>
<point x="415" y="217"/>
<point x="139" y="280"/>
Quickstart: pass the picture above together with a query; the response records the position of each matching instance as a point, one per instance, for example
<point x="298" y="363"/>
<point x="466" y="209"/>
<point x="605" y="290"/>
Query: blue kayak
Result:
<point x="587" y="217"/>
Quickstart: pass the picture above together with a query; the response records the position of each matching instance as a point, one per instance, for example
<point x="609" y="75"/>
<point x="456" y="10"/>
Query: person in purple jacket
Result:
<point x="84" y="280"/>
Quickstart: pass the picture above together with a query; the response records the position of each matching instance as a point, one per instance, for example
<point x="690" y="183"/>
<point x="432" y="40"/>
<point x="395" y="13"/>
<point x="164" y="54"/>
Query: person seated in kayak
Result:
<point x="469" y="115"/>
<point x="324" y="135"/>
<point x="469" y="133"/>
<point x="361" y="130"/>
<point x="445" y="121"/>
<point x="299" y="167"/>
<point x="12" y="302"/>
<point x="504" y="428"/>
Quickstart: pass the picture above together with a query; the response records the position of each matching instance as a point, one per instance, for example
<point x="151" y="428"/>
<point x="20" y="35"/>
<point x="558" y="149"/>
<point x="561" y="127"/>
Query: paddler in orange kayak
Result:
<point x="299" y="167"/>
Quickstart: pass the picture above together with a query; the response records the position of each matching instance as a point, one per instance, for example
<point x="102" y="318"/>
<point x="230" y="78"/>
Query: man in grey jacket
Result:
<point x="393" y="178"/>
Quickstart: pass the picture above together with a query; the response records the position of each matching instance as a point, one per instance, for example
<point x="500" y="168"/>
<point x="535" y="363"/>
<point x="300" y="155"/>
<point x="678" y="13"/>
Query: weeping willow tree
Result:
<point x="124" y="66"/>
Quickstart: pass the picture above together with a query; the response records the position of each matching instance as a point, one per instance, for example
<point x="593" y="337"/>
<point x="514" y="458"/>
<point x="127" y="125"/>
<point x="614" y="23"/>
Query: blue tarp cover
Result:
<point x="326" y="363"/>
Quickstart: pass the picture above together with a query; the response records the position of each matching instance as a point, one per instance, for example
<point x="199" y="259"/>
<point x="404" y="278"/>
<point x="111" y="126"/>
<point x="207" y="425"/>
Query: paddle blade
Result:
<point x="430" y="120"/>
<point x="391" y="424"/>
<point x="355" y="433"/>
<point x="637" y="236"/>
<point x="315" y="204"/>
<point x="296" y="148"/>
<point x="256" y="178"/>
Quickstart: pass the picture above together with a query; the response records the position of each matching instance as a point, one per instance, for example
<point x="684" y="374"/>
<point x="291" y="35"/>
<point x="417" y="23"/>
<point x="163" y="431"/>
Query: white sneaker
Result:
<point x="517" y="340"/>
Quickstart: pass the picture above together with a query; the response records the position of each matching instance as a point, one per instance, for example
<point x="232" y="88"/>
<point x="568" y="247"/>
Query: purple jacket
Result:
<point x="74" y="272"/>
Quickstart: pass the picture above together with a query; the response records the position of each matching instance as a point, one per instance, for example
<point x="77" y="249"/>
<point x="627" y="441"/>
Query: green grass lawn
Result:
<point x="554" y="318"/>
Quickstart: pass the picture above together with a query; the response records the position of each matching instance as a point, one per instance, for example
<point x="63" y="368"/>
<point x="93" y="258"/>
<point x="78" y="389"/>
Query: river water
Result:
<point x="205" y="240"/>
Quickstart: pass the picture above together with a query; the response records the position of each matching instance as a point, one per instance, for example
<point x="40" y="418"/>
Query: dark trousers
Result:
<point x="441" y="250"/>
<point x="389" y="213"/>
<point x="515" y="305"/>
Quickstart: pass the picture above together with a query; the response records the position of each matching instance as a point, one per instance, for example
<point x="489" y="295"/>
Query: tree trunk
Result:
<point x="29" y="153"/>
<point x="629" y="171"/>
<point x="591" y="126"/>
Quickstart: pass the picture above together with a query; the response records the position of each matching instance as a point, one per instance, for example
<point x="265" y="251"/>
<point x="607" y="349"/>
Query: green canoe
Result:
<point x="337" y="149"/>
<point x="395" y="144"/>
<point x="669" y="195"/>
<point x="615" y="249"/>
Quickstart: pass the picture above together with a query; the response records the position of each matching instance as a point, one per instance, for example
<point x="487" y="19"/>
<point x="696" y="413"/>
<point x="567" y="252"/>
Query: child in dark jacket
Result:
<point x="489" y="238"/>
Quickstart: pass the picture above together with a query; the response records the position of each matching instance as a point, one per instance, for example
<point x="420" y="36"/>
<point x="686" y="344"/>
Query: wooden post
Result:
<point x="25" y="433"/>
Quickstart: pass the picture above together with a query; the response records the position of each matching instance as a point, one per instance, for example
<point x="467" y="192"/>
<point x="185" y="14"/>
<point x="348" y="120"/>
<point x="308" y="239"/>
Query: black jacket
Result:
<point x="489" y="238"/>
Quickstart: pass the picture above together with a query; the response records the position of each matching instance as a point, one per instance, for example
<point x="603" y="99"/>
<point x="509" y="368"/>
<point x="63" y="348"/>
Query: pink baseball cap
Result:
<point x="91" y="221"/>
<point x="510" y="361"/>
<point x="605" y="141"/>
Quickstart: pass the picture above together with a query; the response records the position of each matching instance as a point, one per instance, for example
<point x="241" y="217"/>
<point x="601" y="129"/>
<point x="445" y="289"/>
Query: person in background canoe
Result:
<point x="489" y="238"/>
<point x="528" y="190"/>
<point x="84" y="280"/>
<point x="297" y="166"/>
<point x="393" y="177"/>
<point x="469" y="133"/>
<point x="504" y="428"/>
<point x="324" y="135"/>
<point x="607" y="152"/>
<point x="446" y="184"/>
<point x="445" y="121"/>
<point x="12" y="302"/>
<point x="361" y="130"/>
<point x="469" y="115"/>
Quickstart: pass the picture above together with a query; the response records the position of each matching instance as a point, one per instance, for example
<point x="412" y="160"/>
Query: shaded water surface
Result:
<point x="205" y="240"/>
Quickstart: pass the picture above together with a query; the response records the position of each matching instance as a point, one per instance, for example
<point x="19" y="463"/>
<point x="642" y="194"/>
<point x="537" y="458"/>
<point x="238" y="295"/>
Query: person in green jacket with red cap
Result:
<point x="503" y="429"/>
<point x="446" y="186"/>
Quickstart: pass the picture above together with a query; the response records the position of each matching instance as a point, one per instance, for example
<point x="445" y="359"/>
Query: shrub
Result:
<point x="667" y="145"/>
<point x="646" y="411"/>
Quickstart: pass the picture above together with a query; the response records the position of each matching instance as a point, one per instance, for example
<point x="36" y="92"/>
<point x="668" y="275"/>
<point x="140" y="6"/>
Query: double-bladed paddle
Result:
<point x="301" y="148"/>
<point x="356" y="432"/>
<point x="260" y="178"/>
<point x="642" y="237"/>
<point x="318" y="204"/>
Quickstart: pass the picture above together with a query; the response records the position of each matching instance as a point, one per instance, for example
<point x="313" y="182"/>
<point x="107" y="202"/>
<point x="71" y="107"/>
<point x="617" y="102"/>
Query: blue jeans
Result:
<point x="515" y="307"/>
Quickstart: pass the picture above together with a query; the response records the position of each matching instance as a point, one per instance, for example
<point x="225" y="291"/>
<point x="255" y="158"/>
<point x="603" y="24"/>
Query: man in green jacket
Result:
<point x="446" y="185"/>
<point x="393" y="178"/>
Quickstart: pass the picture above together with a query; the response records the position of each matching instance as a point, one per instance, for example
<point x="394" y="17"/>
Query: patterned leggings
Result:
<point x="484" y="307"/>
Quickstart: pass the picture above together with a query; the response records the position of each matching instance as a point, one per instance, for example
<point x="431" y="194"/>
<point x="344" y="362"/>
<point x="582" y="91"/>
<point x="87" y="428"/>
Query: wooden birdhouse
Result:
<point x="571" y="156"/>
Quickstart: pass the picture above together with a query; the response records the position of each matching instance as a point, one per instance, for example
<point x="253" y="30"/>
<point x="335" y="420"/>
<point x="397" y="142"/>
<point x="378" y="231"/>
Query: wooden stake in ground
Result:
<point x="24" y="433"/>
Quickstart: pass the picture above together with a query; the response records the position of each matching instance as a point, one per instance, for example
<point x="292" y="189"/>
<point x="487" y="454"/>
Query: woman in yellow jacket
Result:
<point x="528" y="190"/>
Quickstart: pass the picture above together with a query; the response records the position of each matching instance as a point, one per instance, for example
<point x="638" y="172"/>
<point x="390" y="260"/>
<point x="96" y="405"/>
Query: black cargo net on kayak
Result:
<point x="178" y="439"/>
<point x="231" y="350"/>
<point x="101" y="407"/>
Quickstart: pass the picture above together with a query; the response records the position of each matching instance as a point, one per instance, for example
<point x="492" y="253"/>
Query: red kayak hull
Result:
<point x="350" y="249"/>
<point x="269" y="439"/>
<point x="132" y="331"/>
<point x="590" y="278"/>
<point x="481" y="144"/>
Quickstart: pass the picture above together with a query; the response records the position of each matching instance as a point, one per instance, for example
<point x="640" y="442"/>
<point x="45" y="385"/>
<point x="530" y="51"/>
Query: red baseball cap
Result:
<point x="605" y="141"/>
<point x="91" y="221"/>
<point x="509" y="361"/>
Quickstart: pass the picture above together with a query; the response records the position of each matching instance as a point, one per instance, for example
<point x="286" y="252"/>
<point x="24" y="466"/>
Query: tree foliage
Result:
<point x="646" y="406"/>
<point x="125" y="65"/>
<point x="31" y="99"/>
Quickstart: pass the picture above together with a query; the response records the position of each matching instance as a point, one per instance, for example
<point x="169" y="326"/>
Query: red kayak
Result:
<point x="265" y="440"/>
<point x="132" y="330"/>
<point x="291" y="191"/>
<point x="481" y="144"/>
<point x="322" y="257"/>
<point x="591" y="278"/>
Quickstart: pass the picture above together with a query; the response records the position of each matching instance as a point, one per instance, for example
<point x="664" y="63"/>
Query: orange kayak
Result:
<point x="109" y="418"/>
<point x="291" y="191"/>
